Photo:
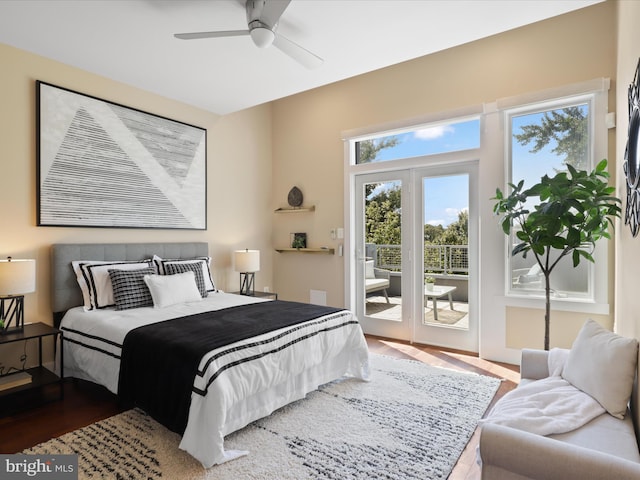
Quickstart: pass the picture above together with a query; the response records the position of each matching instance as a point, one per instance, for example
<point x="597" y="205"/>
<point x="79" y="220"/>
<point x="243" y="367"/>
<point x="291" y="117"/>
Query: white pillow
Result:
<point x="533" y="275"/>
<point x="95" y="284"/>
<point x="172" y="289"/>
<point x="603" y="365"/>
<point x="369" y="272"/>
<point x="205" y="262"/>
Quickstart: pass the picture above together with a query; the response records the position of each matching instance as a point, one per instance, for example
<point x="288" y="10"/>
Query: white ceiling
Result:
<point x="132" y="41"/>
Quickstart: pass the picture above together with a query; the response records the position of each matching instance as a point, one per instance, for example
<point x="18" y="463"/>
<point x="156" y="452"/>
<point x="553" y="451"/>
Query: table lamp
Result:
<point x="247" y="263"/>
<point x="17" y="277"/>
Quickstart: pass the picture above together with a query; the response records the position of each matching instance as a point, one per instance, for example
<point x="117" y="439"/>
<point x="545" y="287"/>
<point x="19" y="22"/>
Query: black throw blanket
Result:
<point x="159" y="361"/>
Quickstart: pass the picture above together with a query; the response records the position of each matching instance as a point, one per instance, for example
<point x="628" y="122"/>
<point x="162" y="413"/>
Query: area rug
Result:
<point x="411" y="421"/>
<point x="446" y="316"/>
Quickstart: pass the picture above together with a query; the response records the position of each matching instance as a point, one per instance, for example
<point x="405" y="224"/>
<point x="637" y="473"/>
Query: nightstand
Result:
<point x="20" y="394"/>
<point x="272" y="295"/>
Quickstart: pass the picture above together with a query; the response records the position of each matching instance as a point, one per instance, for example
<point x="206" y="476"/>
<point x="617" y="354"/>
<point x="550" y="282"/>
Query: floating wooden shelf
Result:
<point x="329" y="251"/>
<point x="310" y="208"/>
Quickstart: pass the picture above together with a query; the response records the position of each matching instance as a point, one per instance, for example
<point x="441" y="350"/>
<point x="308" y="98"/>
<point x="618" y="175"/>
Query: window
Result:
<point x="430" y="140"/>
<point x="542" y="139"/>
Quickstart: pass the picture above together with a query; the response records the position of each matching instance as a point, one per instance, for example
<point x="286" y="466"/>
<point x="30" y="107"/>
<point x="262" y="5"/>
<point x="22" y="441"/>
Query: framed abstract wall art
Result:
<point x="101" y="164"/>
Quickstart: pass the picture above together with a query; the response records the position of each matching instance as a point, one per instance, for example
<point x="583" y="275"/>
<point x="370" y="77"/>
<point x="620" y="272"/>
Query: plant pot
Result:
<point x="429" y="287"/>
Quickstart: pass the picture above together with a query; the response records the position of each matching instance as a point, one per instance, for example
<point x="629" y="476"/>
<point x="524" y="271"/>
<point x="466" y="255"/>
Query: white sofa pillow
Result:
<point x="172" y="289"/>
<point x="603" y="365"/>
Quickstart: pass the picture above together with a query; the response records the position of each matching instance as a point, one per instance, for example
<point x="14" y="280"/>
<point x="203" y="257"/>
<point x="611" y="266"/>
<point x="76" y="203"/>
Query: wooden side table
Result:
<point x="40" y="375"/>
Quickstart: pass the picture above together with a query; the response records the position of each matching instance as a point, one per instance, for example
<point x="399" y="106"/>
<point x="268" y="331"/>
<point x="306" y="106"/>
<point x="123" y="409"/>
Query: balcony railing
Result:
<point x="439" y="259"/>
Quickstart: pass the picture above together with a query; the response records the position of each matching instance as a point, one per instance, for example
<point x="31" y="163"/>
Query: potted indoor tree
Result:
<point x="575" y="210"/>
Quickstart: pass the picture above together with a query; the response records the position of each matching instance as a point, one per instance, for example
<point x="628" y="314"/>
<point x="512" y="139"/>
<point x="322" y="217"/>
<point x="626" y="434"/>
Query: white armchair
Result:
<point x="528" y="277"/>
<point x="376" y="279"/>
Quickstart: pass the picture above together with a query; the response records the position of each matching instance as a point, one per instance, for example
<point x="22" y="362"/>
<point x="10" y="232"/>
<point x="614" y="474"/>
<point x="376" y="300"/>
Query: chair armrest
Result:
<point x="508" y="453"/>
<point x="381" y="273"/>
<point x="534" y="364"/>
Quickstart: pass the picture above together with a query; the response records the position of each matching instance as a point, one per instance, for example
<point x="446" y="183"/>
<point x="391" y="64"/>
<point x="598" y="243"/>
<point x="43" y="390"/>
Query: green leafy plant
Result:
<point x="575" y="210"/>
<point x="299" y="241"/>
<point x="429" y="279"/>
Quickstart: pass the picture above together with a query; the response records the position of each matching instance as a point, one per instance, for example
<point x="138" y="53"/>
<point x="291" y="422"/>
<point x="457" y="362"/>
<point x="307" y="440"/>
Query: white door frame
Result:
<point x="402" y="329"/>
<point x="412" y="238"/>
<point x="442" y="335"/>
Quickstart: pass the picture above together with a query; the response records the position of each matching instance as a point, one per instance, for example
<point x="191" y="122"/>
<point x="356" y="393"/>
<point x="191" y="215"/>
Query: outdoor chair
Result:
<point x="376" y="279"/>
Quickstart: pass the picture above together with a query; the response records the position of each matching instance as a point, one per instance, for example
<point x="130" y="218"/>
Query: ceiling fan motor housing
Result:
<point x="261" y="34"/>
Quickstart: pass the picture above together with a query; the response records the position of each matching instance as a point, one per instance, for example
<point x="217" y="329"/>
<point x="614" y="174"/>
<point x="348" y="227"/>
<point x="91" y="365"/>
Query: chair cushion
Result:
<point x="372" y="284"/>
<point x="605" y="434"/>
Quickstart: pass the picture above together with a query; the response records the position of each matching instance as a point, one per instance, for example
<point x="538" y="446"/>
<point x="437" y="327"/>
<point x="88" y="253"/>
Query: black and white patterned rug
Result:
<point x="411" y="421"/>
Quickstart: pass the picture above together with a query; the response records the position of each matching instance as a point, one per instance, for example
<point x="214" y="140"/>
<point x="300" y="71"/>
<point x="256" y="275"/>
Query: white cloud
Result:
<point x="452" y="212"/>
<point x="435" y="223"/>
<point x="433" y="132"/>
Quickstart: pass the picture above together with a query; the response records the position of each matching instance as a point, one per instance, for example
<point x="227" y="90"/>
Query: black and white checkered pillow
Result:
<point x="129" y="288"/>
<point x="196" y="268"/>
<point x="204" y="262"/>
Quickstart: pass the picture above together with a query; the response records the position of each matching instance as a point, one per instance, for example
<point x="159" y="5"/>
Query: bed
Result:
<point x="248" y="356"/>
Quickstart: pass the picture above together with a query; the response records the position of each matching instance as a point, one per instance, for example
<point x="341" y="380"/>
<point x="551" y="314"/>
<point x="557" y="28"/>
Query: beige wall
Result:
<point x="308" y="150"/>
<point x="256" y="156"/>
<point x="627" y="247"/>
<point x="525" y="327"/>
<point x="238" y="171"/>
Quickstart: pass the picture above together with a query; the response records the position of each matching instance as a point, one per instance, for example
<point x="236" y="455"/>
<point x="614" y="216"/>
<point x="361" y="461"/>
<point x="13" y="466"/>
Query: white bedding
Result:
<point x="329" y="348"/>
<point x="547" y="406"/>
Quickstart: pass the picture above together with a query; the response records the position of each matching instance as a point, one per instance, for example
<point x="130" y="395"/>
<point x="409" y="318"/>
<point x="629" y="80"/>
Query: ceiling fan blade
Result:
<point x="272" y="10"/>
<point x="198" y="35"/>
<point x="298" y="53"/>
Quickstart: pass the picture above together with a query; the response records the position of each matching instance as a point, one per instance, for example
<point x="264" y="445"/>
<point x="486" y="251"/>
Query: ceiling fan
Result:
<point x="262" y="20"/>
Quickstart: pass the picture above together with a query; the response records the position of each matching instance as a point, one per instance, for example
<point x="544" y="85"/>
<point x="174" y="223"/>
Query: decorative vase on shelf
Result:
<point x="295" y="197"/>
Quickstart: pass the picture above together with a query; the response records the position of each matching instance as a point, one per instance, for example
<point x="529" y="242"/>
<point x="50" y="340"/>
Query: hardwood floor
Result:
<point x="85" y="403"/>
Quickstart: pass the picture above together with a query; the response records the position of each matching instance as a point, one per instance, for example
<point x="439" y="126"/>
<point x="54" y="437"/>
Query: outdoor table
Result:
<point x="438" y="292"/>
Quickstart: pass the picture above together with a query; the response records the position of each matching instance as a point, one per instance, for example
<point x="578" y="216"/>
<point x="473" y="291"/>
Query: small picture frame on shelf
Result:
<point x="298" y="240"/>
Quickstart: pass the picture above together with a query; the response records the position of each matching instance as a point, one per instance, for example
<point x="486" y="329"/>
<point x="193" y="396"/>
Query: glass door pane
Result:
<point x="383" y="250"/>
<point x="446" y="264"/>
<point x="446" y="251"/>
<point x="381" y="299"/>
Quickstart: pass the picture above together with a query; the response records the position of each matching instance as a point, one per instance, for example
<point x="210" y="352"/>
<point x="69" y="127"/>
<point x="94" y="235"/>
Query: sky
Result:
<point x="527" y="165"/>
<point x="446" y="196"/>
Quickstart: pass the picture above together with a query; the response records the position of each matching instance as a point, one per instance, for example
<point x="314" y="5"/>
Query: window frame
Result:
<point x="410" y="128"/>
<point x="598" y="272"/>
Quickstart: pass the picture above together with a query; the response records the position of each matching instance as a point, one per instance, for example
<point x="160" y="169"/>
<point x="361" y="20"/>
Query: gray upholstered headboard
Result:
<point x="65" y="292"/>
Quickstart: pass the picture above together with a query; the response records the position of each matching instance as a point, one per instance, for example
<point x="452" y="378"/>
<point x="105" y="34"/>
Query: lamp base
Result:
<point x="12" y="311"/>
<point x="247" y="283"/>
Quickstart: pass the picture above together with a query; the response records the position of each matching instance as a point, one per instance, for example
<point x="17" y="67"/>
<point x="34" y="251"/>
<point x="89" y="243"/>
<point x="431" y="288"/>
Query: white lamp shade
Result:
<point x="247" y="261"/>
<point x="17" y="277"/>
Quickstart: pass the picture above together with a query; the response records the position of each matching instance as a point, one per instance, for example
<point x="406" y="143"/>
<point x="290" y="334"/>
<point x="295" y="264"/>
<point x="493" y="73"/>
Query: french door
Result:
<point x="383" y="236"/>
<point x="413" y="226"/>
